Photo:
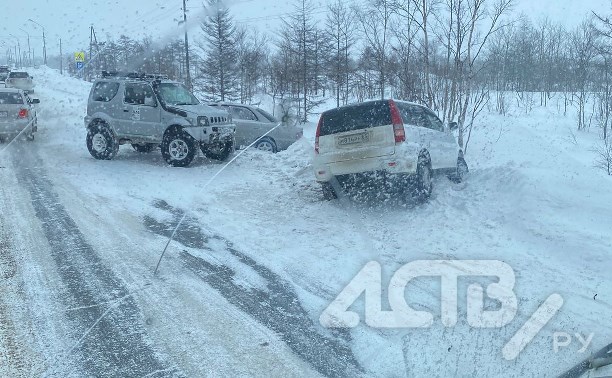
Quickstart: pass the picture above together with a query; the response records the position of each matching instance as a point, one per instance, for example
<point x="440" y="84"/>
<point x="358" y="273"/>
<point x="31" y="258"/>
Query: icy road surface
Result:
<point x="261" y="255"/>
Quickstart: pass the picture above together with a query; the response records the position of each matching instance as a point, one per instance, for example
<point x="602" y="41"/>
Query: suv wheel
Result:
<point x="266" y="144"/>
<point x="424" y="180"/>
<point x="218" y="152"/>
<point x="101" y="142"/>
<point x="144" y="148"/>
<point x="178" y="148"/>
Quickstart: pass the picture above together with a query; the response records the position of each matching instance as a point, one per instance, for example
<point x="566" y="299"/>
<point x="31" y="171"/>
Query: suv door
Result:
<point x="140" y="114"/>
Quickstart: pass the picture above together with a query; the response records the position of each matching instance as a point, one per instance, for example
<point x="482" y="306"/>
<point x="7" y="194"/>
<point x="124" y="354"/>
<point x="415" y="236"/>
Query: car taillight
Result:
<point x="23" y="113"/>
<point x="318" y="134"/>
<point x="398" y="123"/>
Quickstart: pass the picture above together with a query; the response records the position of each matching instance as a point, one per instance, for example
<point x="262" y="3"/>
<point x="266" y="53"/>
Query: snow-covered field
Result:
<point x="261" y="254"/>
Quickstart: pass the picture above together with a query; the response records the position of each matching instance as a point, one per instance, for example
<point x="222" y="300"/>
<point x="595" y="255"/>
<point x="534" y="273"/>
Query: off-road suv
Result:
<point x="402" y="142"/>
<point x="147" y="111"/>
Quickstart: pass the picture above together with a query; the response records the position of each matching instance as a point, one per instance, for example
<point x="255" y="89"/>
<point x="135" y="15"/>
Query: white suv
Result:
<point x="402" y="142"/>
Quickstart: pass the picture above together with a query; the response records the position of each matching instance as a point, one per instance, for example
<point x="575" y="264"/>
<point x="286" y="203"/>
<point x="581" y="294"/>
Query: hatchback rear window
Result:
<point x="105" y="91"/>
<point x="19" y="75"/>
<point x="268" y="116"/>
<point x="362" y="116"/>
<point x="7" y="98"/>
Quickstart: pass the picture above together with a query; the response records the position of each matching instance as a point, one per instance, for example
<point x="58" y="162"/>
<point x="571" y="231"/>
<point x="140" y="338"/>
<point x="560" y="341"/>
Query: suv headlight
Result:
<point x="203" y="121"/>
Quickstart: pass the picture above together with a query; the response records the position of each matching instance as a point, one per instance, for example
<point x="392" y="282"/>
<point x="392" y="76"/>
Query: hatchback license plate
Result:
<point x="3" y="114"/>
<point x="353" y="139"/>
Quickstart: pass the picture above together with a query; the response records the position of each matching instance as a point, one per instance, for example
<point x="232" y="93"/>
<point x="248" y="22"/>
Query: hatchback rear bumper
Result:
<point x="404" y="161"/>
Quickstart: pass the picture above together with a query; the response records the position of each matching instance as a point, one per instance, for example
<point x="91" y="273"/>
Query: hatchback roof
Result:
<point x="367" y="102"/>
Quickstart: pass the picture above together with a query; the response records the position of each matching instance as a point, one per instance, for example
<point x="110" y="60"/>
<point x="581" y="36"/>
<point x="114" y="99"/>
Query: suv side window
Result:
<point x="105" y="91"/>
<point x="243" y="113"/>
<point x="136" y="93"/>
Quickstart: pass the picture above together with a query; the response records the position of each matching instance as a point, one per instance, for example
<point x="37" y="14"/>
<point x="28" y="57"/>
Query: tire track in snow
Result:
<point x="277" y="307"/>
<point x="117" y="345"/>
<point x="13" y="359"/>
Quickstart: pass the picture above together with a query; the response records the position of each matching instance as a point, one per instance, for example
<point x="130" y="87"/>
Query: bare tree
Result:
<point x="342" y="34"/>
<point x="583" y="52"/>
<point x="470" y="42"/>
<point x="375" y="20"/>
<point x="252" y="59"/>
<point x="405" y="57"/>
<point x="424" y="11"/>
<point x="301" y="38"/>
<point x="604" y="156"/>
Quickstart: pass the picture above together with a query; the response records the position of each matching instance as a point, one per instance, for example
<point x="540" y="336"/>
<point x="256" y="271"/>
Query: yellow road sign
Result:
<point x="79" y="56"/>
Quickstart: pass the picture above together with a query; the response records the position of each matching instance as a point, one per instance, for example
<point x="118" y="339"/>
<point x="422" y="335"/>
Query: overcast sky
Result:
<point x="71" y="20"/>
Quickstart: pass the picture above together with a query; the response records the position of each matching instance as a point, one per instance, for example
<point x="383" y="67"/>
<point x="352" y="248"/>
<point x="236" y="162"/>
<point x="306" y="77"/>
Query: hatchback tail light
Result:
<point x="23" y="113"/>
<point x="398" y="124"/>
<point x="318" y="134"/>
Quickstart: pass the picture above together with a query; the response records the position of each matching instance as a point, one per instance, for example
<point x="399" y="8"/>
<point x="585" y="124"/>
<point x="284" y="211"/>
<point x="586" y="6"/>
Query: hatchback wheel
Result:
<point x="266" y="144"/>
<point x="424" y="181"/>
<point x="462" y="169"/>
<point x="329" y="193"/>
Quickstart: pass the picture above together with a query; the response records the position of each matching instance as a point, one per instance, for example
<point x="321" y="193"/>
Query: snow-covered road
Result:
<point x="261" y="255"/>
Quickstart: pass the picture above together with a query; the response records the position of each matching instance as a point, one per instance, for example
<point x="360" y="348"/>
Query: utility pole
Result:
<point x="29" y="49"/>
<point x="186" y="46"/>
<point x="90" y="47"/>
<point x="44" y="40"/>
<point x="61" y="59"/>
<point x="17" y="55"/>
<point x="44" y="47"/>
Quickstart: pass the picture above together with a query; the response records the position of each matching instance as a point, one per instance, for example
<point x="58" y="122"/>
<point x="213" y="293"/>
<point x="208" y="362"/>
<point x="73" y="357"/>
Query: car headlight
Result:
<point x="203" y="121"/>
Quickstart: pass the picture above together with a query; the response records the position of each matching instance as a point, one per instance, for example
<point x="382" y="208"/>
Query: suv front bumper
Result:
<point x="212" y="135"/>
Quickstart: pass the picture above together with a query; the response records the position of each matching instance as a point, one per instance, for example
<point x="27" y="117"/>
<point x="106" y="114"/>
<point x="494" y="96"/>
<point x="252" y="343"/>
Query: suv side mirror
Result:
<point x="453" y="126"/>
<point x="35" y="101"/>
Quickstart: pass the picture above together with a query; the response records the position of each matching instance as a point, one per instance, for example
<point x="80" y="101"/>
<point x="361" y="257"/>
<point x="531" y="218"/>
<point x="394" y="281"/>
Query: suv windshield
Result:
<point x="176" y="94"/>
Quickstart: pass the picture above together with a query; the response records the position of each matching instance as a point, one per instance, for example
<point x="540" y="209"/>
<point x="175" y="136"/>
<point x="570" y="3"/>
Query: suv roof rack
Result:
<point x="133" y="75"/>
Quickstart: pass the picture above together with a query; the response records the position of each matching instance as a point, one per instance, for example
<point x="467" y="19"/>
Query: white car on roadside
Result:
<point x="401" y="142"/>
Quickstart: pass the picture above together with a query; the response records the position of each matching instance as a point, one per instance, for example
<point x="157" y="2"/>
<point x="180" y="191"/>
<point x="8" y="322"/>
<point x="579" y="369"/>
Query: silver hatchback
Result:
<point x="20" y="80"/>
<point x="252" y="123"/>
<point x="17" y="114"/>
